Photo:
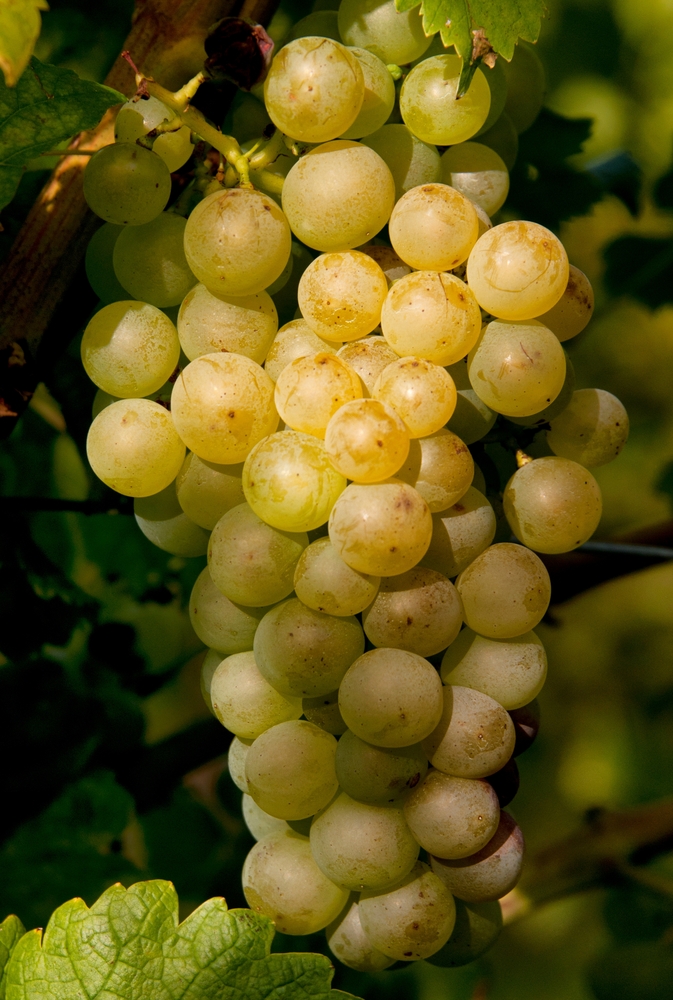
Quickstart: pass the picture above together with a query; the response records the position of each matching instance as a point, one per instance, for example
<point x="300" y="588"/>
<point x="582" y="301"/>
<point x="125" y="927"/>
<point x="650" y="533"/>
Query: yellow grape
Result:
<point x="162" y="520"/>
<point x="430" y="107"/>
<point x="368" y="357"/>
<point x="390" y="263"/>
<point x="394" y="36"/>
<point x="341" y="294"/>
<point x="592" y="429"/>
<point x="366" y="441"/>
<point x="206" y="491"/>
<point x="460" y="533"/>
<point x="433" y="227"/>
<point x="310" y="390"/>
<point x="294" y="340"/>
<point x="511" y="671"/>
<point x="209" y="323"/>
<point x="379" y="95"/>
<point x="324" y="582"/>
<point x="477" y="172"/>
<point x="419" y="611"/>
<point x="411" y="161"/>
<point x="244" y="701"/>
<point x="421" y="393"/>
<point x="452" y="817"/>
<point x="440" y="467"/>
<point x="474" y="737"/>
<point x="574" y="309"/>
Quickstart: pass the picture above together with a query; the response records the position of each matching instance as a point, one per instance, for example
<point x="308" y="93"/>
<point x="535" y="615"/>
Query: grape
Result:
<point x="557" y="405"/>
<point x="421" y="393"/>
<point x="477" y="172"/>
<point x="294" y="340"/>
<point x="244" y="701"/>
<point x="379" y="95"/>
<point x="126" y="184"/>
<point x="319" y="22"/>
<point x="474" y="737"/>
<point x="222" y="405"/>
<point x="517" y="368"/>
<point x="174" y="147"/>
<point x="259" y="823"/>
<point x="574" y="309"/>
<point x="452" y="817"/>
<point x="137" y="118"/>
<point x="434" y="227"/>
<point x="341" y="294"/>
<point x="526" y="725"/>
<point x="432" y="316"/>
<point x="552" y="504"/>
<point x="236" y="757"/>
<point x="518" y="270"/>
<point x="282" y="881"/>
<point x="497" y="84"/>
<point x="382" y="529"/>
<point x="133" y="447"/>
<point x="289" y="482"/>
<point x="410" y="160"/>
<point x="419" y="611"/>
<point x="338" y="196"/>
<point x="211" y="661"/>
<point x="472" y="419"/>
<point x="368" y="357"/>
<point x="505" y="591"/>
<point x="349" y="943"/>
<point x="323" y="711"/>
<point x="129" y="349"/>
<point x="512" y="671"/>
<point x="391" y="698"/>
<point x="378" y="775"/>
<point x="390" y="263"/>
<point x="290" y="769"/>
<point x="430" y="107"/>
<point x="314" y="89"/>
<point x="376" y="25"/>
<point x="237" y="241"/>
<point x="503" y="138"/>
<point x="489" y="873"/>
<point x="285" y="299"/>
<point x="366" y="441"/>
<point x="505" y="782"/>
<point x="150" y="261"/>
<point x="412" y="920"/>
<point x="440" y="468"/>
<point x="218" y="622"/>
<point x="206" y="491"/>
<point x="247" y="117"/>
<point x="460" y="534"/>
<point x="361" y="846"/>
<point x="161" y="519"/>
<point x="324" y="582"/>
<point x="591" y="430"/>
<point x="476" y="929"/>
<point x="305" y="653"/>
<point x="245" y="325"/>
<point x="525" y="86"/>
<point x="311" y="389"/>
<point x="98" y="264"/>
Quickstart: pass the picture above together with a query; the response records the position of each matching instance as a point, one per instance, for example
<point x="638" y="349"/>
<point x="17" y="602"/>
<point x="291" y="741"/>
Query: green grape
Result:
<point x="472" y="419"/>
<point x="378" y="775"/>
<point x="126" y="184"/>
<point x="251" y="562"/>
<point x="129" y="349"/>
<point x="452" y="817"/>
<point x="290" y="769"/>
<point x="341" y="294"/>
<point x="236" y="757"/>
<point x="376" y="25"/>
<point x="574" y="309"/>
<point x="419" y="611"/>
<point x="381" y="528"/>
<point x="460" y="534"/>
<point x="390" y="263"/>
<point x="361" y="846"/>
<point x="420" y="392"/>
<point x="209" y="323"/>
<point x="432" y="316"/>
<point x="304" y="653"/>
<point x="433" y="227"/>
<point x="310" y="390"/>
<point x="368" y="357"/>
<point x="525" y="86"/>
<point x="314" y="89"/>
<point x="259" y="823"/>
<point x="206" y="491"/>
<point x="497" y="84"/>
<point x="478" y="172"/>
<point x="391" y="698"/>
<point x="477" y="928"/>
<point x="511" y="671"/>
<point x="553" y="504"/>
<point x="430" y="107"/>
<point x="458" y="373"/>
<point x="98" y="264"/>
<point x="338" y="196"/>
<point x="440" y="468"/>
<point x="321" y="23"/>
<point x="475" y="736"/>
<point x="162" y="520"/>
<point x="348" y="942"/>
<point x="174" y="147"/>
<point x="503" y="138"/>
<point x="411" y="161"/>
<point x="379" y="96"/>
<point x="218" y="622"/>
<point x="100" y="401"/>
<point x="133" y="447"/>
<point x="324" y="582"/>
<point x="244" y="701"/>
<point x="237" y="241"/>
<point x="294" y="340"/>
<point x="323" y="711"/>
<point x="138" y="117"/>
<point x="290" y="483"/>
<point x="150" y="261"/>
<point x="412" y="920"/>
<point x="366" y="441"/>
<point x="517" y="367"/>
<point x="591" y="430"/>
<point x="282" y="881"/>
<point x="517" y="270"/>
<point x="285" y="300"/>
<point x="490" y="872"/>
<point x="247" y="118"/>
<point x="222" y="405"/>
<point x="505" y="591"/>
<point x="211" y="661"/>
<point x="552" y="410"/>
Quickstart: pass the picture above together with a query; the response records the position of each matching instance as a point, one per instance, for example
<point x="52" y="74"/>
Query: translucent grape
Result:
<point x="378" y="775"/>
<point x="472" y="419"/>
<point x="460" y="533"/>
<point x="503" y="138"/>
<point x="478" y="172"/>
<point x="126" y="184"/>
<point x="238" y="751"/>
<point x="379" y="95"/>
<point x="525" y="86"/>
<point x="419" y="611"/>
<point x="150" y="261"/>
<point x="290" y="769"/>
<point x="551" y="410"/>
<point x="376" y="25"/>
<point x="433" y="227"/>
<point x="505" y="591"/>
<point x="222" y="405"/>
<point x="420" y="392"/>
<point x="440" y="468"/>
<point x="366" y="441"/>
<point x="174" y="147"/>
<point x="474" y="737"/>
<point x="129" y="349"/>
<point x="452" y="817"/>
<point x="518" y="270"/>
<point x="218" y="622"/>
<point x="133" y="447"/>
<point x="591" y="430"/>
<point x="410" y="160"/>
<point x="491" y="872"/>
<point x="341" y="294"/>
<point x="338" y="196"/>
<point x="511" y="671"/>
<point x="206" y="491"/>
<point x="430" y="107"/>
<point x="552" y="504"/>
<point x="574" y="309"/>
<point x="324" y="582"/>
<point x="368" y="357"/>
<point x="208" y="323"/>
<point x="323" y="711"/>
<point x="259" y="823"/>
<point x="477" y="927"/>
<point x="311" y="389"/>
<point x="390" y="263"/>
<point x="98" y="264"/>
<point x="305" y="653"/>
<point x="244" y="701"/>
<point x="138" y="117"/>
<point x="162" y="520"/>
<point x="294" y="340"/>
<point x="237" y="241"/>
<point x="349" y="943"/>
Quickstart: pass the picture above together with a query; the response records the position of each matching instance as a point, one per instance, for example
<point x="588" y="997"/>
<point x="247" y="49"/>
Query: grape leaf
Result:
<point x="48" y="106"/>
<point x="20" y="25"/>
<point x="129" y="945"/>
<point x="11" y="930"/>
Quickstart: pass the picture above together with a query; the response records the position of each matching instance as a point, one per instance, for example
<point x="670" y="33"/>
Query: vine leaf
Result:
<point x="20" y="25"/>
<point x="11" y="931"/>
<point x="48" y="106"/>
<point x="130" y="945"/>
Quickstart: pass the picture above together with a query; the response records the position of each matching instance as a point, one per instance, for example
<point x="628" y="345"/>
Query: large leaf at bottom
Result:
<point x="502" y="21"/>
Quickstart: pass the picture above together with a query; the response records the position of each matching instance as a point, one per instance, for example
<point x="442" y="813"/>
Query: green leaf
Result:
<point x="11" y="930"/>
<point x="129" y="945"/>
<point x="48" y="106"/>
<point x="20" y="25"/>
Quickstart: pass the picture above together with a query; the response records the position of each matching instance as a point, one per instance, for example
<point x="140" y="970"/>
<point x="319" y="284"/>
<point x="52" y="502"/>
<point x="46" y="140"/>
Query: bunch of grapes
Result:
<point x="371" y="649"/>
